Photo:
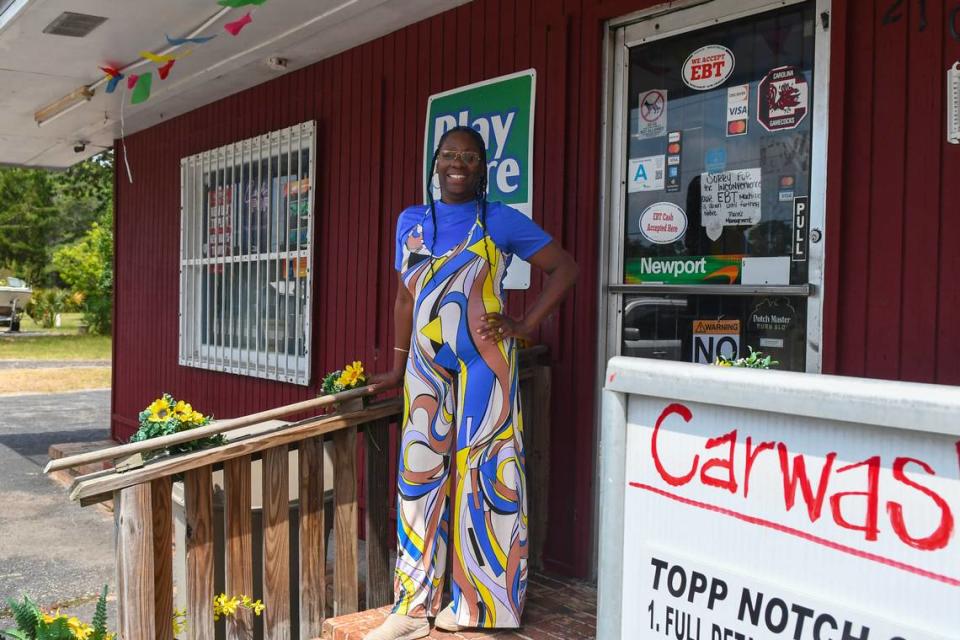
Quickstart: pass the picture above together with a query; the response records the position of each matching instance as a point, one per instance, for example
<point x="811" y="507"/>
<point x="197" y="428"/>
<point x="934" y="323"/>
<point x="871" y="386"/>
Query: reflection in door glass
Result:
<point x="718" y="165"/>
<point x="699" y="328"/>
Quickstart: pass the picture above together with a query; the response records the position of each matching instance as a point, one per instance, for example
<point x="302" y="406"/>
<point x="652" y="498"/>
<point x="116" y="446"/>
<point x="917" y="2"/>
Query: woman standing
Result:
<point x="456" y="355"/>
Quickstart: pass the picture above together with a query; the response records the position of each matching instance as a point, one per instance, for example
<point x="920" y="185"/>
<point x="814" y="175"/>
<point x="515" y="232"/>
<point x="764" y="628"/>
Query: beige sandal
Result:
<point x="447" y="620"/>
<point x="400" y="627"/>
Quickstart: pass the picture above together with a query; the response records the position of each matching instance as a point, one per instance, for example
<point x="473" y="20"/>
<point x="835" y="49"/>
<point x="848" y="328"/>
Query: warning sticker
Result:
<point x="645" y="174"/>
<point x="731" y="198"/>
<point x="653" y="114"/>
<point x="713" y="338"/>
<point x="663" y="223"/>
<point x="738" y="110"/>
<point x="708" y="67"/>
<point x="782" y="99"/>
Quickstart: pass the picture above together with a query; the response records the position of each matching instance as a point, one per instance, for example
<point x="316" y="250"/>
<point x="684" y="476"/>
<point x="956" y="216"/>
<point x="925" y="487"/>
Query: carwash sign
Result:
<point x="501" y="109"/>
<point x="742" y="504"/>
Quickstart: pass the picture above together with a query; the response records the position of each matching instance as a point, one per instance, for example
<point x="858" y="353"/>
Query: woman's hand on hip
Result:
<point x="498" y="326"/>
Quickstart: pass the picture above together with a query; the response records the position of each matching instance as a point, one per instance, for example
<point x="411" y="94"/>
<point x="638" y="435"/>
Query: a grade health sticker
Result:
<point x="645" y="174"/>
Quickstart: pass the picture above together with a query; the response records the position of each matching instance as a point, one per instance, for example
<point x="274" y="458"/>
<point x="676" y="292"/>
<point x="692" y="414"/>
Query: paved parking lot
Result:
<point x="50" y="548"/>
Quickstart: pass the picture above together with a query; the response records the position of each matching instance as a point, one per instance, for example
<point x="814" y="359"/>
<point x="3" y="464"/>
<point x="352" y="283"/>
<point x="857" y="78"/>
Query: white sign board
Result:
<point x="762" y="504"/>
<point x="645" y="174"/>
<point x="730" y="198"/>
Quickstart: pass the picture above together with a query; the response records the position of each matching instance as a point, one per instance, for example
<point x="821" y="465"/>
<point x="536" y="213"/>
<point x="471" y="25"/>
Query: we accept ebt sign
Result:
<point x="501" y="109"/>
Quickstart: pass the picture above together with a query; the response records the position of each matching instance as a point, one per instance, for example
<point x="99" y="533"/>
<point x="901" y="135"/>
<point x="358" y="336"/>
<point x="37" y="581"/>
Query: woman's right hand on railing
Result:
<point x="385" y="381"/>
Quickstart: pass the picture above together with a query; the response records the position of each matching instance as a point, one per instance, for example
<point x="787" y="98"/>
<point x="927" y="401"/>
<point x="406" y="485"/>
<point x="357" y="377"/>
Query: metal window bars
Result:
<point x="246" y="256"/>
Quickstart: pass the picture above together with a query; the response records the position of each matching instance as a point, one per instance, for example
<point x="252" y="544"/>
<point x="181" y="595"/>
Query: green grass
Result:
<point x="69" y="323"/>
<point x="55" y="347"/>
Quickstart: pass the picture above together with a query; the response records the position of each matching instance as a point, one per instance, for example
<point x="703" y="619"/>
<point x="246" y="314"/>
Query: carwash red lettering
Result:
<point x="801" y="481"/>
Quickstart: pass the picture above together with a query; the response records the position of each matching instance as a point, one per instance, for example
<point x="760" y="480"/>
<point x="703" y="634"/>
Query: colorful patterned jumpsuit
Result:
<point x="460" y="405"/>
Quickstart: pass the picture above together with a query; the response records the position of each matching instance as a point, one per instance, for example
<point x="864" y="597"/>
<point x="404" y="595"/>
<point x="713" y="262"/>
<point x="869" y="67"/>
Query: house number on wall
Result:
<point x="894" y="14"/>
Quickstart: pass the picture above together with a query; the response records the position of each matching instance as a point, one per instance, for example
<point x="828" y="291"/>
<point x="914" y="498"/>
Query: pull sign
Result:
<point x="801" y="222"/>
<point x="953" y="103"/>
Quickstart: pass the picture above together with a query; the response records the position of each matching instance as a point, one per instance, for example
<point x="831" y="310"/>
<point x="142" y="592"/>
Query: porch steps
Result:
<point x="556" y="609"/>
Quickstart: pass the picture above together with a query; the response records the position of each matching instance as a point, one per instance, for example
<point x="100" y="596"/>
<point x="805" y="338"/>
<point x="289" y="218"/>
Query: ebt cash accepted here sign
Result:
<point x="501" y="109"/>
<point x="775" y="505"/>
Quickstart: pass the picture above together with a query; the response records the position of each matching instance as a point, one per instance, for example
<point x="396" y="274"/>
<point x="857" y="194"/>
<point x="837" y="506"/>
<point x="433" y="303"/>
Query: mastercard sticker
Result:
<point x="738" y="110"/>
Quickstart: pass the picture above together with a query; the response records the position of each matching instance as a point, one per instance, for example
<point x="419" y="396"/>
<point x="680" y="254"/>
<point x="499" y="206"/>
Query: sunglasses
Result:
<point x="469" y="157"/>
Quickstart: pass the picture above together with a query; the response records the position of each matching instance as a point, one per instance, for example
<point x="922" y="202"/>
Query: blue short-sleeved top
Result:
<point x="513" y="232"/>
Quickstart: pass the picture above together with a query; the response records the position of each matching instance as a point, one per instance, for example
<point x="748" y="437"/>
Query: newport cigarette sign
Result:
<point x="501" y="109"/>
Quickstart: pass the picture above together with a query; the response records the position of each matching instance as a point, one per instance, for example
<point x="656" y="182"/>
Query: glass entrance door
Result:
<point x="715" y="163"/>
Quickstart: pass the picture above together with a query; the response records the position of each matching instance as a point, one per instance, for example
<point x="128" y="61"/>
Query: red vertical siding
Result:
<point x="891" y="309"/>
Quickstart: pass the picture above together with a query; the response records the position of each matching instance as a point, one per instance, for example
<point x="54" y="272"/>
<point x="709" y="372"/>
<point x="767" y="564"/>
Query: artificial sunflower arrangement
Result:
<point x="756" y="360"/>
<point x="166" y="416"/>
<point x="350" y="377"/>
<point x="33" y="624"/>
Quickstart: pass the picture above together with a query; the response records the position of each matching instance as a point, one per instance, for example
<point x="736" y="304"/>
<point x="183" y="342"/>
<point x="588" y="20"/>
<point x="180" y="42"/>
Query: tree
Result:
<point x="87" y="267"/>
<point x="27" y="217"/>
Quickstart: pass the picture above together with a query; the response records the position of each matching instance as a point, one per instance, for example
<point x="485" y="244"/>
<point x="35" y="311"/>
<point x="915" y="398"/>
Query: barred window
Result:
<point x="246" y="256"/>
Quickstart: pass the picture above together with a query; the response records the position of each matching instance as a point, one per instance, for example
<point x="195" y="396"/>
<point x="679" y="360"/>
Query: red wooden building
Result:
<point x="831" y="249"/>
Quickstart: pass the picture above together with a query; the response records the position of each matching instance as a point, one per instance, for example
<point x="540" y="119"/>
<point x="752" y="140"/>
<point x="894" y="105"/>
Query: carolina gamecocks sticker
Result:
<point x="663" y="223"/>
<point x="708" y="67"/>
<point x="782" y="99"/>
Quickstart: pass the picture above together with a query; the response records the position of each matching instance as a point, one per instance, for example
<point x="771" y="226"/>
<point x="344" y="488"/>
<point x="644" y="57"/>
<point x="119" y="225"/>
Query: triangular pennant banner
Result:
<point x="164" y="71"/>
<point x="132" y="80"/>
<point x="237" y="25"/>
<point x="198" y="40"/>
<point x="114" y="81"/>
<point x="141" y="92"/>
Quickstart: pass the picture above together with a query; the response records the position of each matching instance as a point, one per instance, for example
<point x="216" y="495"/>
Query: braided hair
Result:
<point x="481" y="192"/>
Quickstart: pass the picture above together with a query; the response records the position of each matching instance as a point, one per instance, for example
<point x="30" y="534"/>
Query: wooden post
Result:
<point x="345" y="588"/>
<point x="198" y="486"/>
<point x="135" y="597"/>
<point x="161" y="497"/>
<point x="276" y="544"/>
<point x="313" y="552"/>
<point x="377" y="514"/>
<point x="239" y="544"/>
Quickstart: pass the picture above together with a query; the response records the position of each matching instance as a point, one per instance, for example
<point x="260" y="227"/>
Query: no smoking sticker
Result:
<point x="652" y="122"/>
<point x="782" y="99"/>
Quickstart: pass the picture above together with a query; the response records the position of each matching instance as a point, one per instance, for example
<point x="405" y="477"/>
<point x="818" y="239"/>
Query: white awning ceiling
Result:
<point x="37" y="69"/>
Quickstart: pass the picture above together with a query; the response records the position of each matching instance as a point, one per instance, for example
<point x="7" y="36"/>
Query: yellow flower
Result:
<point x="179" y="621"/>
<point x="159" y="410"/>
<point x="352" y="375"/>
<point x="182" y="410"/>
<point x="195" y="417"/>
<point x="258" y="607"/>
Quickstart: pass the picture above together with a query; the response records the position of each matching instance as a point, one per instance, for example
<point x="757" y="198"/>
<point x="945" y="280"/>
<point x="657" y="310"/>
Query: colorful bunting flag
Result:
<point x="234" y="4"/>
<point x="152" y="57"/>
<point x="164" y="71"/>
<point x="237" y="25"/>
<point x="114" y="81"/>
<point x="179" y="41"/>
<point x="110" y="71"/>
<point x="132" y="80"/>
<point x="141" y="92"/>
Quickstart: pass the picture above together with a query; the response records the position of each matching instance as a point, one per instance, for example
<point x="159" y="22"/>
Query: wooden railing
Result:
<point x="143" y="505"/>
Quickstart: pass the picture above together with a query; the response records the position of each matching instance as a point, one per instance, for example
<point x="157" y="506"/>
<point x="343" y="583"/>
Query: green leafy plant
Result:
<point x="45" y="304"/>
<point x="86" y="266"/>
<point x="350" y="377"/>
<point x="33" y="624"/>
<point x="756" y="360"/>
<point x="166" y="416"/>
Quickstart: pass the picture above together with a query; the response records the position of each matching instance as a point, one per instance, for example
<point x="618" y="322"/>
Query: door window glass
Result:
<point x="718" y="164"/>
